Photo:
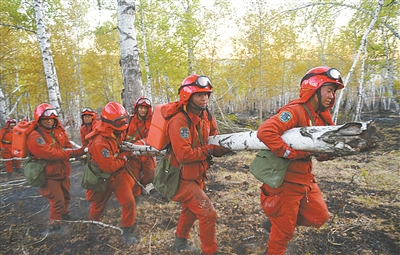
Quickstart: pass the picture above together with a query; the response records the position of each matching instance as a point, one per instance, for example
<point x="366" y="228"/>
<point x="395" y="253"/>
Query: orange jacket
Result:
<point x="51" y="147"/>
<point x="288" y="117"/>
<point x="85" y="130"/>
<point x="103" y="148"/>
<point x="6" y="136"/>
<point x="138" y="128"/>
<point x="185" y="141"/>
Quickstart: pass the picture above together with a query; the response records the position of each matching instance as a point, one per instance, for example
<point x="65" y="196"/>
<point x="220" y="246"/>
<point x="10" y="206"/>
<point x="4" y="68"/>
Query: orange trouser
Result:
<point x="196" y="205"/>
<point x="121" y="184"/>
<point x="58" y="195"/>
<point x="144" y="169"/>
<point x="290" y="205"/>
<point x="11" y="163"/>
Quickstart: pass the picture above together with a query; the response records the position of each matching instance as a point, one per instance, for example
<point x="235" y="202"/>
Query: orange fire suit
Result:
<point x="143" y="168"/>
<point x="6" y="135"/>
<point x="85" y="130"/>
<point x="105" y="154"/>
<point x="298" y="201"/>
<point x="186" y="142"/>
<point x="54" y="147"/>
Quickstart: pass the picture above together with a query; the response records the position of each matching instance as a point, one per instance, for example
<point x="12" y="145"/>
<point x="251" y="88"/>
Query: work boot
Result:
<point x="68" y="216"/>
<point x="54" y="229"/>
<point x="267" y="225"/>
<point x="181" y="245"/>
<point x="10" y="175"/>
<point x="129" y="236"/>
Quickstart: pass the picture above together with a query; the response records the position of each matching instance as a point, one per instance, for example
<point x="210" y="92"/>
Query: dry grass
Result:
<point x="362" y="193"/>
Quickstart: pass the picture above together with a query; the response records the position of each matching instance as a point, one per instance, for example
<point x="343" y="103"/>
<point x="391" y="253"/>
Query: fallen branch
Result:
<point x="41" y="240"/>
<point x="347" y="139"/>
<point x="43" y="208"/>
<point x="92" y="222"/>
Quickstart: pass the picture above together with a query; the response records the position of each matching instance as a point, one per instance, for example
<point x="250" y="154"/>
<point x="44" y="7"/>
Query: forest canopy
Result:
<point x="254" y="51"/>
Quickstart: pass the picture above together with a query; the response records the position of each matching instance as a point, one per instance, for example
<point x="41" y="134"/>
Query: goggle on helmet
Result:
<point x="115" y="114"/>
<point x="318" y="76"/>
<point x="194" y="84"/>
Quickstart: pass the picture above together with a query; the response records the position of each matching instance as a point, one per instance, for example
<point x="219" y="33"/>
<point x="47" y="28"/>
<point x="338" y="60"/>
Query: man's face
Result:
<point x="87" y="118"/>
<point x="142" y="110"/>
<point x="47" y="122"/>
<point x="327" y="94"/>
<point x="11" y="125"/>
<point x="200" y="100"/>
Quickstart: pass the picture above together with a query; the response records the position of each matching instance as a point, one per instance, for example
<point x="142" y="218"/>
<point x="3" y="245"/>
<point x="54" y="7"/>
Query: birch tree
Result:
<point x="147" y="86"/>
<point x="360" y="49"/>
<point x="47" y="56"/>
<point x="357" y="116"/>
<point x="131" y="73"/>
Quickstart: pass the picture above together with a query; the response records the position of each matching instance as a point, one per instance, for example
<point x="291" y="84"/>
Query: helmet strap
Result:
<point x="194" y="107"/>
<point x="49" y="128"/>
<point x="321" y="108"/>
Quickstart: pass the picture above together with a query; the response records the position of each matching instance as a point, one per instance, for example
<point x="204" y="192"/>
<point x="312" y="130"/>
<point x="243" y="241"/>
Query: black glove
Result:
<point x="219" y="151"/>
<point x="324" y="157"/>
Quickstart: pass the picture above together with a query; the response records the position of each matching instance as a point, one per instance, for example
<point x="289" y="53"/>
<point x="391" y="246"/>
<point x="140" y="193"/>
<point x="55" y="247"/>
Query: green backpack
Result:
<point x="166" y="180"/>
<point x="94" y="178"/>
<point x="269" y="169"/>
<point x="34" y="172"/>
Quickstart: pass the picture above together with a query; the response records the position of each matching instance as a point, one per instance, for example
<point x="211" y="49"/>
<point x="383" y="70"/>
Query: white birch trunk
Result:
<point x="360" y="49"/>
<point x="347" y="139"/>
<point x="390" y="72"/>
<point x="360" y="97"/>
<point x="147" y="87"/>
<point x="131" y="74"/>
<point x="47" y="56"/>
<point x="3" y="107"/>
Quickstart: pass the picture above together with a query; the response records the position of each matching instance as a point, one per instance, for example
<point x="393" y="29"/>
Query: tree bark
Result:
<point x="47" y="57"/>
<point x="131" y="73"/>
<point x="347" y="139"/>
<point x="360" y="49"/>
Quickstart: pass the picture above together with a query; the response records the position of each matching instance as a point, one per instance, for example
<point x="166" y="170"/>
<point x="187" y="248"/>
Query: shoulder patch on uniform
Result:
<point x="40" y="140"/>
<point x="285" y="117"/>
<point x="184" y="132"/>
<point x="106" y="153"/>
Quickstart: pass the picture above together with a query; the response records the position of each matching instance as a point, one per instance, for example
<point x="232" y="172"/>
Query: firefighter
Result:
<point x="88" y="122"/>
<point x="48" y="142"/>
<point x="188" y="130"/>
<point x="105" y="154"/>
<point x="298" y="201"/>
<point x="6" y="135"/>
<point x="143" y="168"/>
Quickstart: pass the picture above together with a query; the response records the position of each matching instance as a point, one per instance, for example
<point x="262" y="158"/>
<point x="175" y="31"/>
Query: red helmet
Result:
<point x="45" y="110"/>
<point x="318" y="76"/>
<point x="9" y="121"/>
<point x="194" y="84"/>
<point x="115" y="114"/>
<point x="142" y="101"/>
<point x="88" y="111"/>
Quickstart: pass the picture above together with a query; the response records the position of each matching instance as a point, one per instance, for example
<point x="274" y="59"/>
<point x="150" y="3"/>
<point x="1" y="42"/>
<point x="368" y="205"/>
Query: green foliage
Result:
<point x="255" y="53"/>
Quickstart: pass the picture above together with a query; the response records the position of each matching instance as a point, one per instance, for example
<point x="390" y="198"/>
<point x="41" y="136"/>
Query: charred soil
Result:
<point x="362" y="193"/>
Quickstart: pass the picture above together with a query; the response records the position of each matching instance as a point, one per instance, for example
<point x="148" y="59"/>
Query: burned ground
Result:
<point x="362" y="193"/>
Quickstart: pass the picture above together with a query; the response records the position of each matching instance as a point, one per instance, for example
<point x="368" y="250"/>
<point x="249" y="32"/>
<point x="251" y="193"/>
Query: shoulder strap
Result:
<point x="136" y="133"/>
<point x="39" y="131"/>
<point x="187" y="117"/>
<point x="209" y="114"/>
<point x="309" y="114"/>
<point x="311" y="117"/>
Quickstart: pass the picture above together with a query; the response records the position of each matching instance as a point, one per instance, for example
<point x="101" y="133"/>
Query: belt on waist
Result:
<point x="7" y="142"/>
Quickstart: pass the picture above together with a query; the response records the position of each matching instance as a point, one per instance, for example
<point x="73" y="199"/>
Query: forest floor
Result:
<point x="362" y="193"/>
